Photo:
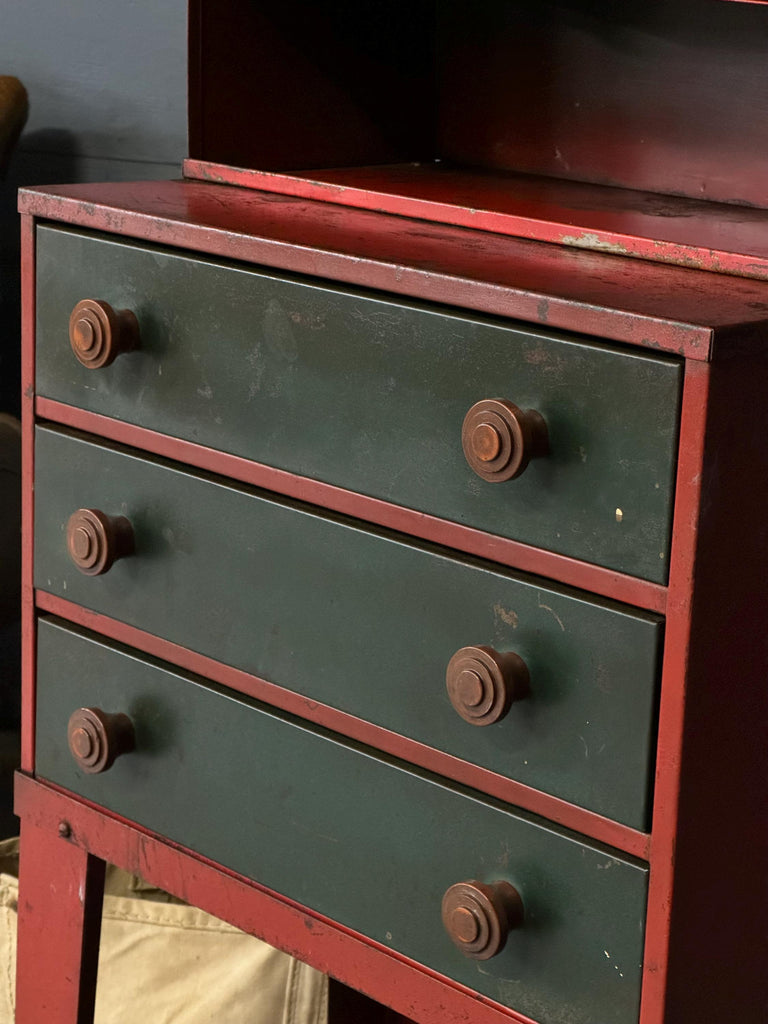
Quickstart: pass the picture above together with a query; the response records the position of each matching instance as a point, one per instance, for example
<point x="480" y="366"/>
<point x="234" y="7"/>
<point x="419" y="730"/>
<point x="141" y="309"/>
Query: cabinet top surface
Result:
<point x="688" y="312"/>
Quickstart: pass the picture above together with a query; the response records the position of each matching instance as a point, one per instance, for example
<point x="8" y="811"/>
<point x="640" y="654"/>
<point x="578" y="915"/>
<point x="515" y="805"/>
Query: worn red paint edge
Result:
<point x="380" y="972"/>
<point x="597" y="827"/>
<point x="560" y="231"/>
<point x="28" y="620"/>
<point x="672" y="703"/>
<point x="523" y="557"/>
<point x="165" y="225"/>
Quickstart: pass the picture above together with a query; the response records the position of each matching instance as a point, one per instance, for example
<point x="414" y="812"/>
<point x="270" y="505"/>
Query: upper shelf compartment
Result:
<point x="639" y="128"/>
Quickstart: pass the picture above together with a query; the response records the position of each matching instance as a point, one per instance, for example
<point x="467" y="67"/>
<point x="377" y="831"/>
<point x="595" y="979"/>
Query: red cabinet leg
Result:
<point x="61" y="888"/>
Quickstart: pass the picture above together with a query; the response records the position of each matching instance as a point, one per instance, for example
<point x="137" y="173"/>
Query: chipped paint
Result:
<point x="555" y="616"/>
<point x="506" y="615"/>
<point x="590" y="240"/>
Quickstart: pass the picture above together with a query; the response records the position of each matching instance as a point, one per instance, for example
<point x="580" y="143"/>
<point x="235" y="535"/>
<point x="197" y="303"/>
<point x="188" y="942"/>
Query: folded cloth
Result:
<point x="166" y="962"/>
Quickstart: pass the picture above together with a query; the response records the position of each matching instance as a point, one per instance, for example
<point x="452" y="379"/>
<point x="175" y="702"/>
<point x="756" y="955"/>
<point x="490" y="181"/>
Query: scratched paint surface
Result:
<point x="368" y="393"/>
<point x="366" y="842"/>
<point x="363" y="620"/>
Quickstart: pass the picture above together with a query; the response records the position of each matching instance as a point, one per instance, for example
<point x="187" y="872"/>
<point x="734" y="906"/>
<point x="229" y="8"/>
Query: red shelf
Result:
<point x="725" y="238"/>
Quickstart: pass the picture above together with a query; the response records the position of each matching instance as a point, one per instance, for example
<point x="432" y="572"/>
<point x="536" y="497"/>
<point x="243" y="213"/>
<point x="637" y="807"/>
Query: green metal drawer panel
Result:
<point x="369" y="393"/>
<point x="362" y="619"/>
<point x="353" y="836"/>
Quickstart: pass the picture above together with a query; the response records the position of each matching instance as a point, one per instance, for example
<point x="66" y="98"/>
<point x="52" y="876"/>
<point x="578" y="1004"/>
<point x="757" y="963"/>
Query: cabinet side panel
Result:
<point x="720" y="886"/>
<point x="27" y="484"/>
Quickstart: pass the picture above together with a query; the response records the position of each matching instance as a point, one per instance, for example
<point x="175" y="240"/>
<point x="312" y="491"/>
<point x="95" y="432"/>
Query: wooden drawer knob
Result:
<point x="98" y="334"/>
<point x="482" y="683"/>
<point x="479" y="917"/>
<point x="96" y="738"/>
<point x="95" y="540"/>
<point x="499" y="440"/>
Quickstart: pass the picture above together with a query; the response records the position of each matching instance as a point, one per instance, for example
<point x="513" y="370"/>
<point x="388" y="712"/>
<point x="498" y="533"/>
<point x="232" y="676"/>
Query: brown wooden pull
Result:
<point x="97" y="738"/>
<point x="499" y="440"/>
<point x="479" y="917"/>
<point x="98" y="333"/>
<point x="95" y="540"/>
<point x="482" y="683"/>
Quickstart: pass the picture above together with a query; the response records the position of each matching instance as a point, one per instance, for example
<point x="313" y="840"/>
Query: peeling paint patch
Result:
<point x="506" y="615"/>
<point x="590" y="240"/>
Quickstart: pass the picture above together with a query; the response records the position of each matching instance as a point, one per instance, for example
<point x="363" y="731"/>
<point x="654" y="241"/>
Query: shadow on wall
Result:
<point x="10" y="625"/>
<point x="43" y="157"/>
<point x="13" y="114"/>
<point x="14" y="107"/>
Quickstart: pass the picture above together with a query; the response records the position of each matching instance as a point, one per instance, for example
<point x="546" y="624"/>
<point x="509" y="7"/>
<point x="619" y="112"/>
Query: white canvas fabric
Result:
<point x="166" y="962"/>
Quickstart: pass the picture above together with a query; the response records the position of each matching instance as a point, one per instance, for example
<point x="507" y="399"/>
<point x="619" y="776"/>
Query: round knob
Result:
<point x="479" y="917"/>
<point x="98" y="334"/>
<point x="96" y="738"/>
<point x="95" y="540"/>
<point x="482" y="683"/>
<point x="499" y="440"/>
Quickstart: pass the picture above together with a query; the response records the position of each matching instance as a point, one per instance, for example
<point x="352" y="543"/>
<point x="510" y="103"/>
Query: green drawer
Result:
<point x="369" y="393"/>
<point x="362" y="620"/>
<point x="355" y="837"/>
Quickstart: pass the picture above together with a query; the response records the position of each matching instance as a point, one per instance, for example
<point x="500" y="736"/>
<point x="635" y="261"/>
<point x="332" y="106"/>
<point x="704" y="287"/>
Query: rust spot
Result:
<point x="314" y="322"/>
<point x="543" y="310"/>
<point x="537" y="356"/>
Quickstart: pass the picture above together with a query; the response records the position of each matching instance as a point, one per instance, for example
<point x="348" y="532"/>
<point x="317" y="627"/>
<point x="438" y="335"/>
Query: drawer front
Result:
<point x="370" y="394"/>
<point x="361" y="840"/>
<point x="362" y="620"/>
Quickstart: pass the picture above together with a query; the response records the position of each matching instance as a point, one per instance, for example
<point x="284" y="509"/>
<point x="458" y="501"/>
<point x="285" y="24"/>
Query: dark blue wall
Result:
<point x="107" y="90"/>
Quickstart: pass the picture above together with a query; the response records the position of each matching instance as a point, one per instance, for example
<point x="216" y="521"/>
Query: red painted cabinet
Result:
<point x="394" y="545"/>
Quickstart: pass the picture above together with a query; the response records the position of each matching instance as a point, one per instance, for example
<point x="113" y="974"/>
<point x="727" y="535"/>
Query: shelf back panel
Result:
<point x="668" y="97"/>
